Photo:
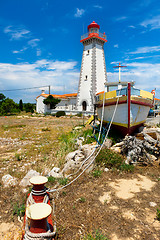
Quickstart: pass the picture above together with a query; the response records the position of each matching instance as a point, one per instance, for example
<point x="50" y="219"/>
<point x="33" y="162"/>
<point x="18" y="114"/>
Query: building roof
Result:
<point x="64" y="96"/>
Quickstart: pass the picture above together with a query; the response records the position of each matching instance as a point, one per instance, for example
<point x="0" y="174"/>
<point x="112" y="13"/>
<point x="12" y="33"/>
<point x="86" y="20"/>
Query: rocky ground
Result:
<point x="120" y="205"/>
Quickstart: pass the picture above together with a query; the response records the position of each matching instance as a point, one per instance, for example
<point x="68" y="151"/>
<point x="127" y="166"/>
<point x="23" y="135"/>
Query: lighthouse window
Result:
<point x="86" y="78"/>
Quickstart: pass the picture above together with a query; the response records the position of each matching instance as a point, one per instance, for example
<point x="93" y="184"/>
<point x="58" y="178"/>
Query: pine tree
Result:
<point x="21" y="105"/>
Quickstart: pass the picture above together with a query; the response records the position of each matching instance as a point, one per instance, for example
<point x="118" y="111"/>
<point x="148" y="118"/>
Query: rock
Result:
<point x="120" y="144"/>
<point x="79" y="142"/>
<point x="75" y="160"/>
<point x="70" y="155"/>
<point x="116" y="149"/>
<point x="87" y="149"/>
<point x="106" y="169"/>
<point x="56" y="169"/>
<point x="78" y="128"/>
<point x="24" y="190"/>
<point x="55" y="173"/>
<point x="152" y="157"/>
<point x="153" y="204"/>
<point x="25" y="181"/>
<point x="107" y="143"/>
<point x="8" y="180"/>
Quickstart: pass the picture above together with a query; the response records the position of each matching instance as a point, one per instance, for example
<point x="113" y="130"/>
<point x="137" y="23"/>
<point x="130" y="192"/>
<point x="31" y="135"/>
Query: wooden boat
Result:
<point x="133" y="106"/>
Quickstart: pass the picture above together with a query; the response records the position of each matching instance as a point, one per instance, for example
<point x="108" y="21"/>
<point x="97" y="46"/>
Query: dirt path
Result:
<point x="120" y="205"/>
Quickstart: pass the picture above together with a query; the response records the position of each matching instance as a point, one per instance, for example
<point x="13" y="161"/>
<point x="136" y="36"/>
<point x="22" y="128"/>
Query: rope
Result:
<point x="100" y="129"/>
<point x="55" y="190"/>
<point x="86" y="159"/>
<point x="37" y="236"/>
<point x="40" y="192"/>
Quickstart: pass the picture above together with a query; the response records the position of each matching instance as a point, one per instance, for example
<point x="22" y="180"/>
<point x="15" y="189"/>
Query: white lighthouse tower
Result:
<point x="93" y="68"/>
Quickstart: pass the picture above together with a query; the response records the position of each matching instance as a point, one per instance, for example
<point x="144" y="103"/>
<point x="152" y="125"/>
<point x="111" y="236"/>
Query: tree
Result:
<point x="29" y="107"/>
<point x="8" y="106"/>
<point x="21" y="105"/>
<point x="52" y="101"/>
<point x="2" y="97"/>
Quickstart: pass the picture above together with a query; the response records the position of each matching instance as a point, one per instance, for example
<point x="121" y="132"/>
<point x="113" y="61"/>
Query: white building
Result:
<point x="92" y="77"/>
<point x="67" y="103"/>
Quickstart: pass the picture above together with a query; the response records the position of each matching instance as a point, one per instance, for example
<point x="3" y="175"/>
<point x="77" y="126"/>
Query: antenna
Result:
<point x="119" y="66"/>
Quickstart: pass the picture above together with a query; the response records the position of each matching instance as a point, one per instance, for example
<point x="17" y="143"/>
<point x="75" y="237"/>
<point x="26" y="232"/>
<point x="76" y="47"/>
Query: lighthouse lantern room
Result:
<point x="93" y="68"/>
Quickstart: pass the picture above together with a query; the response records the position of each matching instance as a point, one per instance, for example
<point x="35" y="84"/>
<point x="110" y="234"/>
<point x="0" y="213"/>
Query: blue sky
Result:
<point x="40" y="43"/>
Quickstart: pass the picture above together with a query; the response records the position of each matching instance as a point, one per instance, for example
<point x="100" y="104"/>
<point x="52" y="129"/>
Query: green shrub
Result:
<point x="29" y="107"/>
<point x="158" y="214"/>
<point x="109" y="159"/>
<point x="79" y="114"/>
<point x="97" y="235"/>
<point x="63" y="181"/>
<point x="18" y="156"/>
<point x="19" y="209"/>
<point x="46" y="129"/>
<point x="96" y="173"/>
<point x="60" y="113"/>
<point x="82" y="199"/>
<point x="51" y="179"/>
<point x="112" y="160"/>
<point x="127" y="168"/>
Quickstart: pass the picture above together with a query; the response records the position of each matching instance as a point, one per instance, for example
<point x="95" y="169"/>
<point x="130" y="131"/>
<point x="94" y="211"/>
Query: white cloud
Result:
<point x="116" y="46"/>
<point x="16" y="33"/>
<point x="79" y="12"/>
<point x="121" y="18"/>
<point x="153" y="23"/>
<point x="20" y="51"/>
<point x="38" y="52"/>
<point x="131" y="26"/>
<point x="33" y="42"/>
<point x="15" y="51"/>
<point x="40" y="73"/>
<point x="98" y="6"/>
<point x="145" y="75"/>
<point x="147" y="49"/>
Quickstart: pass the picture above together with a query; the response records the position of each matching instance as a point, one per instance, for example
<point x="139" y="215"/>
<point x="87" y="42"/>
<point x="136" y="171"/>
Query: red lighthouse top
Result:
<point x="93" y="25"/>
<point x="93" y="32"/>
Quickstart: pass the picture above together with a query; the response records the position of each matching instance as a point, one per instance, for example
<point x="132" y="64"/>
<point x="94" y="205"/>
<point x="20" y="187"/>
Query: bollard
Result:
<point x="38" y="190"/>
<point x="38" y="195"/>
<point x="37" y="215"/>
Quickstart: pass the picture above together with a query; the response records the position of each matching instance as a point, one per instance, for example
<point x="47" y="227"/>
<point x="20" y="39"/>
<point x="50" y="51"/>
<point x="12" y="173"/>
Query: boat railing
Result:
<point x="123" y="92"/>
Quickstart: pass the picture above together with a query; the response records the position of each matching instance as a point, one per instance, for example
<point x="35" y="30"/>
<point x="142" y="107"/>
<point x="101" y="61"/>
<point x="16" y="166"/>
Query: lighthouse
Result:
<point x="93" y="68"/>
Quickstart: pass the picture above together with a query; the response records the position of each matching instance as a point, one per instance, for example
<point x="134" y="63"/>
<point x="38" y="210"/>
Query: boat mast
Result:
<point x="119" y="66"/>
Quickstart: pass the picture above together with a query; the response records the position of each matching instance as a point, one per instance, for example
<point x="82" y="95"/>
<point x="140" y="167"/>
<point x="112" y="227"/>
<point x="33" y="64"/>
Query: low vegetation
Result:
<point x="19" y="209"/>
<point x="60" y="114"/>
<point x="97" y="235"/>
<point x="158" y="214"/>
<point x="109" y="159"/>
<point x="97" y="173"/>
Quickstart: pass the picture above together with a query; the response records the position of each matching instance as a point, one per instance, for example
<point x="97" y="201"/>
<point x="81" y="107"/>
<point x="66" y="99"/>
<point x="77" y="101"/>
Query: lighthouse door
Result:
<point x="84" y="106"/>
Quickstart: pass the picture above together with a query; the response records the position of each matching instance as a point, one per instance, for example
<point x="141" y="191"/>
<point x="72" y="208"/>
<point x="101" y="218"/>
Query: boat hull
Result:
<point x="138" y="115"/>
<point x="131" y="111"/>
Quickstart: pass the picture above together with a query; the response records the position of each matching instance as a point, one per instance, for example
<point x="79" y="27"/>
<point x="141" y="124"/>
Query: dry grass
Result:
<point x="32" y="142"/>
